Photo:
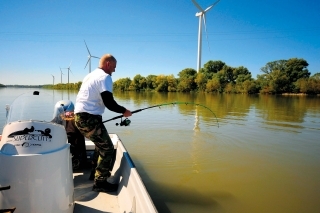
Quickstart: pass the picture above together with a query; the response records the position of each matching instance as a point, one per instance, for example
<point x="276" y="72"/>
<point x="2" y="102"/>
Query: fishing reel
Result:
<point x="125" y="122"/>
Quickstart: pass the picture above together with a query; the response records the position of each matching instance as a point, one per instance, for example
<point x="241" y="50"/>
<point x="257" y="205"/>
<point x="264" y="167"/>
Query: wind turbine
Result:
<point x="69" y="70"/>
<point x="202" y="15"/>
<point x="61" y="74"/>
<point x="89" y="58"/>
<point x="53" y="85"/>
<point x="53" y="79"/>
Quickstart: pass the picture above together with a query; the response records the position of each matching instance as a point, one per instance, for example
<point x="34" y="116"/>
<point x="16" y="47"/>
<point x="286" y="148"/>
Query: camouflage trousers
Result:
<point x="91" y="127"/>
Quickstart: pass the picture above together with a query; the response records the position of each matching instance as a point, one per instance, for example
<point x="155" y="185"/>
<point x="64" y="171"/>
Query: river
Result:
<point x="261" y="154"/>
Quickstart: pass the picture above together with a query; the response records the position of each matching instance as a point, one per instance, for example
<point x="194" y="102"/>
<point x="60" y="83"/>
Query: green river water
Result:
<point x="263" y="155"/>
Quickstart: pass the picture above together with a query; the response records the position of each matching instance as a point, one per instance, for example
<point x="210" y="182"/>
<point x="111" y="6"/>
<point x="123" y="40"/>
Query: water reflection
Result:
<point x="65" y="94"/>
<point x="196" y="127"/>
<point x="274" y="110"/>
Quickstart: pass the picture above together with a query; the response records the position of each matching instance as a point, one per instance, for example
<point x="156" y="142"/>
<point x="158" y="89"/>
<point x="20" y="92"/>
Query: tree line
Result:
<point x="60" y="86"/>
<point x="281" y="76"/>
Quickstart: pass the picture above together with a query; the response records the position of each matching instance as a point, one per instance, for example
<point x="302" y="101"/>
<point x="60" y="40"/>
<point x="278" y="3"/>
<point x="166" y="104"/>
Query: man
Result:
<point x="95" y="94"/>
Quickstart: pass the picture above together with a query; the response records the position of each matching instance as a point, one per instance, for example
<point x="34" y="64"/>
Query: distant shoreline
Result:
<point x="23" y="86"/>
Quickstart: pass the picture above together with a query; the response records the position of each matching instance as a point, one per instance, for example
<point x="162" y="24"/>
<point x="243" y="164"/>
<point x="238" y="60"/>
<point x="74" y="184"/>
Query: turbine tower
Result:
<point x="61" y="74"/>
<point x="89" y="58"/>
<point x="69" y="70"/>
<point x="202" y="15"/>
<point x="53" y="79"/>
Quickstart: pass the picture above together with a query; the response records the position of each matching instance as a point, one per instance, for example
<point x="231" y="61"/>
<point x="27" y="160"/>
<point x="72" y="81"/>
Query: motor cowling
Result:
<point x="35" y="163"/>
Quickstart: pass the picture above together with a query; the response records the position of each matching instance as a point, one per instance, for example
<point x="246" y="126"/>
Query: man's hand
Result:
<point x="127" y="113"/>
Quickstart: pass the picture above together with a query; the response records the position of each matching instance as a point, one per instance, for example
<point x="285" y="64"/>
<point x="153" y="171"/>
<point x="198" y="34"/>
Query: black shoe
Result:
<point x="102" y="185"/>
<point x="93" y="172"/>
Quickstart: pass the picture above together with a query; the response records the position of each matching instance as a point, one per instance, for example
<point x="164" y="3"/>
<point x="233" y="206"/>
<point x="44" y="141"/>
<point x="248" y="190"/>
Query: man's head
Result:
<point x="108" y="63"/>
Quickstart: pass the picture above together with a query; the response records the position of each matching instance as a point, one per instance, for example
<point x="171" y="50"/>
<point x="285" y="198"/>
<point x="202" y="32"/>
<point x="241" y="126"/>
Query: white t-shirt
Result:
<point x="89" y="97"/>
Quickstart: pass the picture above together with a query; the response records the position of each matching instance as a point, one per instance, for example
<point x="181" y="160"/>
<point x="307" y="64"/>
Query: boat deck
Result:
<point x="132" y="196"/>
<point x="88" y="201"/>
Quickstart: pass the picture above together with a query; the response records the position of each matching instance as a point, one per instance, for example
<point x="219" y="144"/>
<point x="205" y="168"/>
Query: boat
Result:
<point x="36" y="173"/>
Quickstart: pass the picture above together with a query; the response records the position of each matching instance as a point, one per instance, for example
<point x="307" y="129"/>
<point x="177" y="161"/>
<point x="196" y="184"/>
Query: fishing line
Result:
<point x="126" y="122"/>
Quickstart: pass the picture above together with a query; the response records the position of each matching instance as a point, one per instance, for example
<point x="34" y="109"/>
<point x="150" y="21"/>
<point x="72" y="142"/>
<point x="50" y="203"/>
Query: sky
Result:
<point x="150" y="37"/>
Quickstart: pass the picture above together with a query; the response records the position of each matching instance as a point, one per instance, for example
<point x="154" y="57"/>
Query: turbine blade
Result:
<point x="87" y="62"/>
<point x="95" y="57"/>
<point x="87" y="48"/>
<point x="205" y="28"/>
<point x="197" y="5"/>
<point x="211" y="6"/>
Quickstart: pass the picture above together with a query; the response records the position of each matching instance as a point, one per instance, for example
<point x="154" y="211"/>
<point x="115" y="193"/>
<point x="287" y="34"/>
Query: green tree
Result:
<point x="314" y="84"/>
<point x="229" y="88"/>
<point x="201" y="81"/>
<point x="225" y="76"/>
<point x="301" y="85"/>
<point x="229" y="74"/>
<point x="172" y="83"/>
<point x="248" y="86"/>
<point x="263" y="84"/>
<point x="187" y="80"/>
<point x="139" y="83"/>
<point x="241" y="74"/>
<point x="278" y="81"/>
<point x="122" y="84"/>
<point x="212" y="67"/>
<point x="151" y="82"/>
<point x="213" y="85"/>
<point x="161" y="83"/>
<point x="274" y="65"/>
<point x="296" y="69"/>
<point x="316" y="75"/>
<point x="282" y="75"/>
<point x="274" y="79"/>
<point x="78" y="85"/>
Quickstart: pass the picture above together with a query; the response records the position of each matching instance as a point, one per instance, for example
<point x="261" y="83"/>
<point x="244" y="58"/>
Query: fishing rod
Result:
<point x="126" y="122"/>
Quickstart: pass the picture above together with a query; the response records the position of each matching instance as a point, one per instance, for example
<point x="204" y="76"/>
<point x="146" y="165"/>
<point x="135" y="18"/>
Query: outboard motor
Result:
<point x="35" y="161"/>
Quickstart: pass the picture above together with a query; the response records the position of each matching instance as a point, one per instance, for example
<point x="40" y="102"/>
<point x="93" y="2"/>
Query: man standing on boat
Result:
<point x="94" y="95"/>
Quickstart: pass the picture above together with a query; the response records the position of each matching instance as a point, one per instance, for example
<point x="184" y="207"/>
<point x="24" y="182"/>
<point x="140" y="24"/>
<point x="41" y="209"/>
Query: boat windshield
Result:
<point x="33" y="105"/>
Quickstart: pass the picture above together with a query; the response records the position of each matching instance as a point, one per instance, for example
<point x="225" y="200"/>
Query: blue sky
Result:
<point x="150" y="36"/>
